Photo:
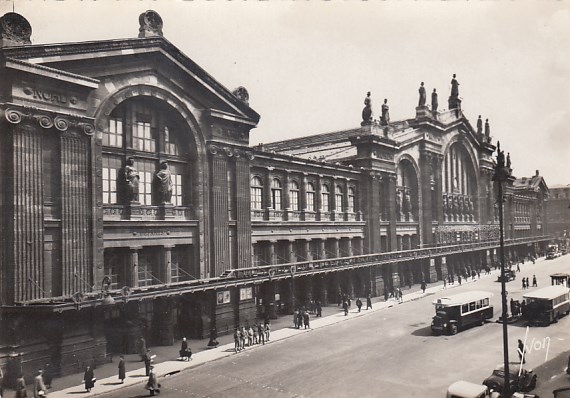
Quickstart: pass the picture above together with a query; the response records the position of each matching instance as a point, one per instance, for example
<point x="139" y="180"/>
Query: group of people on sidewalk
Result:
<point x="249" y="336"/>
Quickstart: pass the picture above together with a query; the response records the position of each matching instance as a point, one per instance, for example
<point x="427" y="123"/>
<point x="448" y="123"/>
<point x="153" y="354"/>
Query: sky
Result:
<point x="308" y="65"/>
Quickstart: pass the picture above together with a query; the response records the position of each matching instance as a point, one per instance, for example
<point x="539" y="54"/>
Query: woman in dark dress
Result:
<point x="21" y="391"/>
<point x="122" y="373"/>
<point x="89" y="379"/>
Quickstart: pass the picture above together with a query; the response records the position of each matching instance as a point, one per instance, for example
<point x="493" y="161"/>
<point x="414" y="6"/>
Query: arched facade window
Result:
<point x="325" y="197"/>
<point x="276" y="194"/>
<point x="339" y="199"/>
<point x="407" y="201"/>
<point x="150" y="132"/>
<point x="351" y="200"/>
<point x="256" y="193"/>
<point x="294" y="195"/>
<point x="310" y="196"/>
<point x="459" y="185"/>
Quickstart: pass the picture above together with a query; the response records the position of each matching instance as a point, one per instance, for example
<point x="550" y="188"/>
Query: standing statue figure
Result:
<point x="454" y="87"/>
<point x="487" y="130"/>
<point x="408" y="204"/>
<point x="398" y="205"/>
<point x="508" y="160"/>
<point x="367" y="111"/>
<point x="385" y="113"/>
<point x="434" y="103"/>
<point x="132" y="179"/>
<point x="422" y="92"/>
<point x="479" y="126"/>
<point x="500" y="157"/>
<point x="164" y="178"/>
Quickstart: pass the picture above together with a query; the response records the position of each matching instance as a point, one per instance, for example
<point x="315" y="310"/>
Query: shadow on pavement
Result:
<point x="423" y="332"/>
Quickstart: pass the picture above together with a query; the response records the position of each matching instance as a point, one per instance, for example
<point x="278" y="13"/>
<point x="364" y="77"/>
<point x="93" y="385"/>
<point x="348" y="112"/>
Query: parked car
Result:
<point x="525" y="382"/>
<point x="510" y="275"/>
<point x="465" y="389"/>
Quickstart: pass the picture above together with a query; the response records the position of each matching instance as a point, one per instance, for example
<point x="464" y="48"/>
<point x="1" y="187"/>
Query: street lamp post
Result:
<point x="501" y="175"/>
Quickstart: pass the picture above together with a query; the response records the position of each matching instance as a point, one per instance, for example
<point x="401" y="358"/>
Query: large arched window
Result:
<point x="294" y="195"/>
<point x="150" y="132"/>
<point x="276" y="194"/>
<point x="325" y="197"/>
<point x="459" y="185"/>
<point x="407" y="193"/>
<point x="256" y="193"/>
<point x="310" y="197"/>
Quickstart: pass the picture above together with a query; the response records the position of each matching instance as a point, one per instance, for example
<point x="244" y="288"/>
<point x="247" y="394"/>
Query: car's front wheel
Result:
<point x="453" y="329"/>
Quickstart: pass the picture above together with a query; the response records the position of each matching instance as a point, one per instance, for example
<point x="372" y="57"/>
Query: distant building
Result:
<point x="129" y="187"/>
<point x="559" y="211"/>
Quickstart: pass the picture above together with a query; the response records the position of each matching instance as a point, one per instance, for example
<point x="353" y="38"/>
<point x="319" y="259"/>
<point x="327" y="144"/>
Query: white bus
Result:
<point x="453" y="313"/>
<point x="546" y="305"/>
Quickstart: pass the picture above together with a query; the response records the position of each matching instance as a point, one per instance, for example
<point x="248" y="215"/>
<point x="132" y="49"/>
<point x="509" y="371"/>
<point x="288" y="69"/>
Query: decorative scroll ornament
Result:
<point x="228" y="152"/>
<point x="13" y="116"/>
<point x="61" y="124"/>
<point x="15" y="28"/>
<point x="250" y="155"/>
<point x="213" y="149"/>
<point x="45" y="121"/>
<point x="237" y="153"/>
<point x="241" y="94"/>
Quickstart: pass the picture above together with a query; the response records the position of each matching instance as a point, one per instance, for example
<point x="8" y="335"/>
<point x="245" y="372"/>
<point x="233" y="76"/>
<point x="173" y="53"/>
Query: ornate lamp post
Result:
<point x="502" y="174"/>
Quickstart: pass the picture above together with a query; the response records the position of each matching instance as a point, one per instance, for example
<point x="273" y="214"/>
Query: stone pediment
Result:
<point x="110" y="59"/>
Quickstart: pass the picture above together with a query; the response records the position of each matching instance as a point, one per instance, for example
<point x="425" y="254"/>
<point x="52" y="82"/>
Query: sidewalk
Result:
<point x="166" y="362"/>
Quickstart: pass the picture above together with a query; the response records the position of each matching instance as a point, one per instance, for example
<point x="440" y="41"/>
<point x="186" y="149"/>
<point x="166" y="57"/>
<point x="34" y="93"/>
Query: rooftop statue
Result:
<point x="434" y="102"/>
<point x="385" y="113"/>
<point x="422" y="91"/>
<point x="367" y="111"/>
<point x="479" y="125"/>
<point x="454" y="87"/>
<point x="487" y="129"/>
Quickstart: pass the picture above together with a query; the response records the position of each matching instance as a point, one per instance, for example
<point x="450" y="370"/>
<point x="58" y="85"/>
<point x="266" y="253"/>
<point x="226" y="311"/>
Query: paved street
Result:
<point x="390" y="352"/>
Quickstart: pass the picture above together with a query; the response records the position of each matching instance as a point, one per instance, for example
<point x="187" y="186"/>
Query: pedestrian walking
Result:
<point x="89" y="379"/>
<point x="568" y="367"/>
<point x="521" y="351"/>
<point x="21" y="391"/>
<point x="250" y="336"/>
<point x="527" y="282"/>
<point x="122" y="372"/>
<point x="518" y="268"/>
<point x="147" y="360"/>
<point x="368" y="302"/>
<point x="523" y="283"/>
<point x="423" y="285"/>
<point x="534" y="284"/>
<point x="261" y="333"/>
<point x="242" y="337"/>
<point x="385" y="297"/>
<point x="152" y="384"/>
<point x="141" y="345"/>
<point x="358" y="304"/>
<point x="295" y="318"/>
<point x="236" y="341"/>
<point x="48" y="375"/>
<point x="1" y="383"/>
<point x="444" y="283"/>
<point x="267" y="330"/>
<point x="319" y="309"/>
<point x="184" y="353"/>
<point x="345" y="307"/>
<point x="39" y="386"/>
<point x="306" y="320"/>
<point x="213" y="337"/>
<point x="300" y="318"/>
<point x="478" y="274"/>
<point x="459" y="279"/>
<point x="255" y="337"/>
<point x="400" y="295"/>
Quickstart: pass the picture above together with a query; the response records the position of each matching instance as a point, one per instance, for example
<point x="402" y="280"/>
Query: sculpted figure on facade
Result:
<point x="398" y="205"/>
<point x="367" y="111"/>
<point x="385" y="113"/>
<point x="407" y="204"/>
<point x="164" y="177"/>
<point x="454" y="87"/>
<point x="487" y="130"/>
<point x="479" y="126"/>
<point x="132" y="179"/>
<point x="434" y="101"/>
<point x="445" y="206"/>
<point x="422" y="91"/>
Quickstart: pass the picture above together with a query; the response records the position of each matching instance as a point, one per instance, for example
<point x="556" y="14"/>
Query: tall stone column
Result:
<point x="323" y="249"/>
<point x="243" y="212"/>
<point x="336" y="251"/>
<point x="133" y="270"/>
<point x="166" y="274"/>
<point x="219" y="212"/>
<point x="308" y="255"/>
<point x="392" y="216"/>
<point x="291" y="251"/>
<point x="271" y="252"/>
<point x="350" y="242"/>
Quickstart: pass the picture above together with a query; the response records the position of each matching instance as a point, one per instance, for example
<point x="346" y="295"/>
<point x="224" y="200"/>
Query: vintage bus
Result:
<point x="454" y="313"/>
<point x="546" y="305"/>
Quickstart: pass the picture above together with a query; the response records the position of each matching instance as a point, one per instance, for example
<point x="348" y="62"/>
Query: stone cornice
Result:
<point x="55" y="74"/>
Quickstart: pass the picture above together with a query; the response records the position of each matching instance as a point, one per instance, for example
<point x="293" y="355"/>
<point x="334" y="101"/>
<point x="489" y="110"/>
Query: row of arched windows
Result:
<point x="294" y="193"/>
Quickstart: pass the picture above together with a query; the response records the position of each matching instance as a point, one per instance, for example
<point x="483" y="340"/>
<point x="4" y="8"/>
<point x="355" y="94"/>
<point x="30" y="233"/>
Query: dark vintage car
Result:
<point x="510" y="275"/>
<point x="525" y="382"/>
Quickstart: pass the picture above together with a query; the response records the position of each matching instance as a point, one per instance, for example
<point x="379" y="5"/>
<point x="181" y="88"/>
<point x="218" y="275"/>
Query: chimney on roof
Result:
<point x="537" y="173"/>
<point x="15" y="30"/>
